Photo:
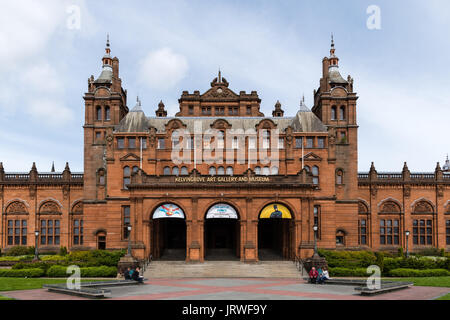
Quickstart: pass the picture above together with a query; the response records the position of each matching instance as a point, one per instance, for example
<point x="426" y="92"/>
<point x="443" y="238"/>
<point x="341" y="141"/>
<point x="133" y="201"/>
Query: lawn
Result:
<point x="426" y="281"/>
<point x="446" y="297"/>
<point x="12" y="284"/>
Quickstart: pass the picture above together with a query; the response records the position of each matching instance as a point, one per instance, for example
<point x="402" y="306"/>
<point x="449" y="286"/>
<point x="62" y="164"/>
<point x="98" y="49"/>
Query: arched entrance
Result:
<point x="222" y="233"/>
<point x="169" y="233"/>
<point x="274" y="232"/>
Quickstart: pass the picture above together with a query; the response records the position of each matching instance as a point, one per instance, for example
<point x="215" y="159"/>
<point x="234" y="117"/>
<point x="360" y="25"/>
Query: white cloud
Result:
<point x="42" y="78"/>
<point x="50" y="111"/>
<point x="163" y="69"/>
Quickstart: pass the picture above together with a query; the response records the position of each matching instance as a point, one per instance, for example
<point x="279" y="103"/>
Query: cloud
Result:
<point x="50" y="111"/>
<point x="163" y="69"/>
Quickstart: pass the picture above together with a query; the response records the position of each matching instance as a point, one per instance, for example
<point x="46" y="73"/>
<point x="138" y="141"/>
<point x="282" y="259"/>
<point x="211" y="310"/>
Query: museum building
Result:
<point x="287" y="175"/>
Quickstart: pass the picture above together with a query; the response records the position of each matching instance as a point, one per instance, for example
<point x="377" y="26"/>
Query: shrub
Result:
<point x="433" y="252"/>
<point x="56" y="258"/>
<point x="348" y="259"/>
<point x="96" y="257"/>
<point x="400" y="252"/>
<point x="35" y="265"/>
<point x="9" y="258"/>
<point x="89" y="272"/>
<point x="22" y="273"/>
<point x="20" y="251"/>
<point x="348" y="272"/>
<point x="380" y="260"/>
<point x="404" y="272"/>
<point x="63" y="251"/>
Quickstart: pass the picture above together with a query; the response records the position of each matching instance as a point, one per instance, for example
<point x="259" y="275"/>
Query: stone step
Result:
<point x="218" y="269"/>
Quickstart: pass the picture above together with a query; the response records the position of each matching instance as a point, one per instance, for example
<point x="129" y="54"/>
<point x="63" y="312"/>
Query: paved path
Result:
<point x="237" y="289"/>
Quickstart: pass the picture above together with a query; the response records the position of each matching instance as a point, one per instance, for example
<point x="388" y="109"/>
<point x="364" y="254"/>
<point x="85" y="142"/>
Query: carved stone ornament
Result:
<point x="78" y="208"/>
<point x="390" y="207"/>
<point x="423" y="207"/>
<point x="32" y="190"/>
<point x="440" y="191"/>
<point x="373" y="191"/>
<point x="362" y="208"/>
<point x="109" y="139"/>
<point x="16" y="207"/>
<point x="66" y="191"/>
<point x="407" y="192"/>
<point x="50" y="207"/>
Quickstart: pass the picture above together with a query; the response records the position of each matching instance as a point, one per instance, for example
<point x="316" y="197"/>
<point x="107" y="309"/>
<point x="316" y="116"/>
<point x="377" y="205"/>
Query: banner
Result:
<point x="222" y="211"/>
<point x="275" y="211"/>
<point x="168" y="210"/>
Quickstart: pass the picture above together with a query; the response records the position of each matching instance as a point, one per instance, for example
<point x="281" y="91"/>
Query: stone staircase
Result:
<point x="221" y="269"/>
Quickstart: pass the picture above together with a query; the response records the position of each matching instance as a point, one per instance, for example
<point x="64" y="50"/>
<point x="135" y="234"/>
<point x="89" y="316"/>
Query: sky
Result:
<point x="49" y="49"/>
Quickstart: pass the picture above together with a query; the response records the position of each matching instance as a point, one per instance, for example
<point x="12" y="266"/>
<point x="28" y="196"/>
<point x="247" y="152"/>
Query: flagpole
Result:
<point x="141" y="155"/>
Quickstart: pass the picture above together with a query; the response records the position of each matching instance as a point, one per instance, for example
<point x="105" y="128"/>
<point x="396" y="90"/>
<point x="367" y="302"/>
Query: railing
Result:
<point x="17" y="177"/>
<point x="363" y="176"/>
<point x="386" y="176"/>
<point x="446" y="176"/>
<point x="422" y="176"/>
<point x="298" y="264"/>
<point x="147" y="262"/>
<point x="42" y="177"/>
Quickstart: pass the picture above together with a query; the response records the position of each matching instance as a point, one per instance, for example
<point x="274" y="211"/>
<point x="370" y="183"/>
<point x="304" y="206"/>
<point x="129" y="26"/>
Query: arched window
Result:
<point x="184" y="171"/>
<point x="99" y="113"/>
<point x="221" y="171"/>
<point x="340" y="238"/>
<point x="235" y="143"/>
<point x="315" y="173"/>
<point x="265" y="171"/>
<point x="101" y="177"/>
<point x="423" y="207"/>
<point x="175" y="171"/>
<point x="333" y="113"/>
<point x="101" y="241"/>
<point x="126" y="177"/>
<point x="16" y="208"/>
<point x="308" y="169"/>
<point x="212" y="171"/>
<point x="107" y="114"/>
<point x="135" y="169"/>
<point x="266" y="139"/>
<point x="230" y="171"/>
<point x="339" y="177"/>
<point x="258" y="170"/>
<point x="274" y="171"/>
<point x="166" y="171"/>
<point x="342" y="113"/>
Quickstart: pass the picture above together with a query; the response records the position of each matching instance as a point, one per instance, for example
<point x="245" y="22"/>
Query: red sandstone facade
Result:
<point x="129" y="172"/>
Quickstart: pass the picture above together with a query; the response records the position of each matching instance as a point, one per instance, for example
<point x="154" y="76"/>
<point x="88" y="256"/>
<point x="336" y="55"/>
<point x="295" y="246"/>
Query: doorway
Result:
<point x="222" y="239"/>
<point x="169" y="239"/>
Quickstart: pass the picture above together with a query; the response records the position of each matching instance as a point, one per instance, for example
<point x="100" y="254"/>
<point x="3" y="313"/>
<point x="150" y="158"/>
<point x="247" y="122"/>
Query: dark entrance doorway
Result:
<point x="274" y="239"/>
<point x="169" y="239"/>
<point x="222" y="239"/>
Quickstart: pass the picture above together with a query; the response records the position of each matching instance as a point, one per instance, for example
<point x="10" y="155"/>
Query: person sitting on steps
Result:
<point x="136" y="276"/>
<point x="313" y="274"/>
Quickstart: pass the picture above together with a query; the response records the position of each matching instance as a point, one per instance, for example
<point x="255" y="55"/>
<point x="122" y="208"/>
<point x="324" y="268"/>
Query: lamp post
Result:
<point x="407" y="235"/>
<point x="315" y="228"/>
<point x="36" y="252"/>
<point x="129" y="240"/>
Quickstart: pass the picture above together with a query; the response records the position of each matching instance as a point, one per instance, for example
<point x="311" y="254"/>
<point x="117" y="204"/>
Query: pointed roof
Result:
<point x="134" y="121"/>
<point x="107" y="71"/>
<point x="446" y="166"/>
<point x="333" y="70"/>
<point x="303" y="107"/>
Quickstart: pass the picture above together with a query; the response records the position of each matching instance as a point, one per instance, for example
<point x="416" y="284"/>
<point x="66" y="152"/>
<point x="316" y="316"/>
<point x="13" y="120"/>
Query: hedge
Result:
<point x="348" y="272"/>
<point x="403" y="272"/>
<point x="89" y="272"/>
<point x="20" y="251"/>
<point x="23" y="273"/>
<point x="421" y="263"/>
<point x="96" y="257"/>
<point x="349" y="259"/>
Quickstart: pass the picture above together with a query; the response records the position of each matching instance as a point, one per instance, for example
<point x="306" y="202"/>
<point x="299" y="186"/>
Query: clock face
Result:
<point x="219" y="90"/>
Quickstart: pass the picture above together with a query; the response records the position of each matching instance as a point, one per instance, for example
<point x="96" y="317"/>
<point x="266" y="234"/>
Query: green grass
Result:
<point x="446" y="297"/>
<point x="426" y="281"/>
<point x="5" y="298"/>
<point x="12" y="284"/>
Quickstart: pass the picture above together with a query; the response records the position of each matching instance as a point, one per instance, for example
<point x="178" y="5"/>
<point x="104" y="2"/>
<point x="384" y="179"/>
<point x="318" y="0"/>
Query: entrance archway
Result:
<point x="222" y="233"/>
<point x="169" y="233"/>
<point x="274" y="233"/>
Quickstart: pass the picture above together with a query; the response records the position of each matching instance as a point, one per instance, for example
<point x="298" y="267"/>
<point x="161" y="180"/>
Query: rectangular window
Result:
<point x="50" y="232"/>
<point x="107" y="114"/>
<point x="17" y="232"/>
<point x="389" y="232"/>
<point x="144" y="143"/>
<point x="362" y="223"/>
<point x="249" y="110"/>
<point x="78" y="232"/>
<point x="310" y="142"/>
<point x="126" y="220"/>
<point x="280" y="143"/>
<point x="252" y="143"/>
<point x="120" y="143"/>
<point x="235" y="143"/>
<point x="423" y="232"/>
<point x="131" y="143"/>
<point x="98" y="136"/>
<point x="230" y="111"/>
<point x="321" y="142"/>
<point x="343" y="137"/>
<point x="191" y="110"/>
<point x="299" y="142"/>
<point x="161" y="143"/>
<point x="447" y="231"/>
